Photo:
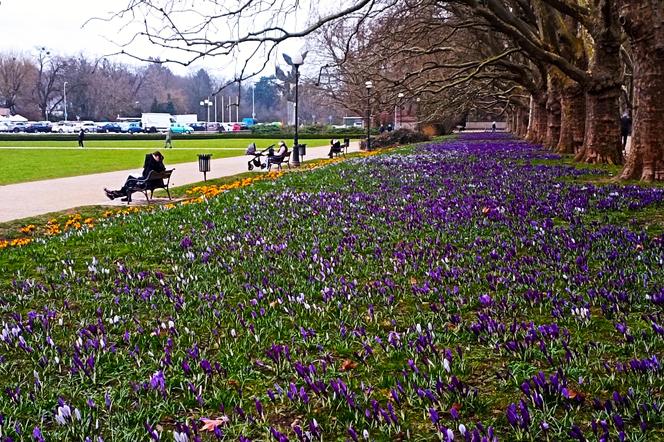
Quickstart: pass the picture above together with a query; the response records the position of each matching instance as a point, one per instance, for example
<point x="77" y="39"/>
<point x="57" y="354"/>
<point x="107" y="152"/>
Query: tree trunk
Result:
<point x="572" y="124"/>
<point x="538" y="120"/>
<point x="644" y="23"/>
<point x="518" y="127"/>
<point x="602" y="142"/>
<point x="553" y="115"/>
<point x="524" y="123"/>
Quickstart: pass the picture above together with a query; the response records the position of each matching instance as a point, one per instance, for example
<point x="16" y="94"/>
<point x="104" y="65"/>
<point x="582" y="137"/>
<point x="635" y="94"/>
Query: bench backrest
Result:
<point x="154" y="175"/>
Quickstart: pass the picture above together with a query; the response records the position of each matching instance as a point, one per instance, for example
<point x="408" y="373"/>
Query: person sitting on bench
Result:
<point x="335" y="147"/>
<point x="273" y="158"/>
<point x="153" y="162"/>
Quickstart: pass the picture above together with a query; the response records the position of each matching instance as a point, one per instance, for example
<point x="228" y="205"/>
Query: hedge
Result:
<point x="194" y="136"/>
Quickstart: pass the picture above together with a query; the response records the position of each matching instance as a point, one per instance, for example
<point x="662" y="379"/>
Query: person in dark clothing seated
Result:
<point x="335" y="147"/>
<point x="153" y="161"/>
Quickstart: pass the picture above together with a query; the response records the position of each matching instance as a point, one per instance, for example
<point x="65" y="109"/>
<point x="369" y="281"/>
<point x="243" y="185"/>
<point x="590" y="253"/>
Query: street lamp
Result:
<point x="215" y="107"/>
<point x="207" y="103"/>
<point x="64" y="97"/>
<point x="400" y="96"/>
<point x="296" y="61"/>
<point x="369" y="86"/>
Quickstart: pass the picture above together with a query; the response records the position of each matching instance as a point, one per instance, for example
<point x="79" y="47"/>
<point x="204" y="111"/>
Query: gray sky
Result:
<point x="58" y="25"/>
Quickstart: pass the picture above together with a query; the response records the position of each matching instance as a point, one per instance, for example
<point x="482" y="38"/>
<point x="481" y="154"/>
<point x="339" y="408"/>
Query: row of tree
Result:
<point x="35" y="86"/>
<point x="560" y="71"/>
<point x="557" y="69"/>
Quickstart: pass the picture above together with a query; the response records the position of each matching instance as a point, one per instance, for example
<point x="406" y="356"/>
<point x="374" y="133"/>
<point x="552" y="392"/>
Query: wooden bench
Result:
<point x="278" y="161"/>
<point x="155" y="180"/>
<point x="339" y="149"/>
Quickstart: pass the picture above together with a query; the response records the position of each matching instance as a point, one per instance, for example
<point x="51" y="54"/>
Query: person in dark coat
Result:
<point x="625" y="128"/>
<point x="335" y="147"/>
<point x="153" y="162"/>
<point x="81" y="137"/>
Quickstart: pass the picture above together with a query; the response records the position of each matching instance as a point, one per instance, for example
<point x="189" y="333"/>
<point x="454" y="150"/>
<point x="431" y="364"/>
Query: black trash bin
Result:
<point x="204" y="164"/>
<point x="303" y="149"/>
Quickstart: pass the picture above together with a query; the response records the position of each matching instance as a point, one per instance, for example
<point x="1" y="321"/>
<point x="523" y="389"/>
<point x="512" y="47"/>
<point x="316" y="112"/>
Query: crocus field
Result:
<point x="469" y="290"/>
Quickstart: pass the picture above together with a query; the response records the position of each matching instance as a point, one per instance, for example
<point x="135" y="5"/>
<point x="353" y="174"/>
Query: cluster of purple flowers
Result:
<point x="472" y="290"/>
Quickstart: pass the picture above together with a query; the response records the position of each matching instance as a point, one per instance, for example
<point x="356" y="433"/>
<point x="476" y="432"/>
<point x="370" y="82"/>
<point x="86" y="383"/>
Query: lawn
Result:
<point x="37" y="160"/>
<point x="455" y="291"/>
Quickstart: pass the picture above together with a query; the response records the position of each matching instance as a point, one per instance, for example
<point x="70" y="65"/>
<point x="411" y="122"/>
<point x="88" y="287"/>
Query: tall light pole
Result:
<point x="215" y="107"/>
<point x="400" y="96"/>
<point x="369" y="86"/>
<point x="296" y="61"/>
<point x="64" y="97"/>
<point x="207" y="103"/>
<point x="253" y="102"/>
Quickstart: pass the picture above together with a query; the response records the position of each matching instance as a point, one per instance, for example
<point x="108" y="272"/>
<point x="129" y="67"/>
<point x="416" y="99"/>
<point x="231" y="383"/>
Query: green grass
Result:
<point x="38" y="160"/>
<point x="11" y="229"/>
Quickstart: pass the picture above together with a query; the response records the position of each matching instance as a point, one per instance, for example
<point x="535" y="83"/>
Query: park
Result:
<point x="482" y="260"/>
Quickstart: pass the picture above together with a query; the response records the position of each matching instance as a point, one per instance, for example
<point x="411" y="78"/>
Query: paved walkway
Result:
<point x="39" y="197"/>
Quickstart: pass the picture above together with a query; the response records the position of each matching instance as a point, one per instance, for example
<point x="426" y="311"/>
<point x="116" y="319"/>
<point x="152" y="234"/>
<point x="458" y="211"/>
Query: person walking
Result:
<point x="493" y="127"/>
<point x="625" y="128"/>
<point x="168" y="143"/>
<point x="81" y="137"/>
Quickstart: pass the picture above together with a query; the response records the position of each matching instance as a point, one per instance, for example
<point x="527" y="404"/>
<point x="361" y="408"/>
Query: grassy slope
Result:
<point x="108" y="243"/>
<point x="61" y="159"/>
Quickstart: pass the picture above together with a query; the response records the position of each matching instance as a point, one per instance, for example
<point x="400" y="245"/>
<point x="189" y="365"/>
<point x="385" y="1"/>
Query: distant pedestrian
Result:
<point x="168" y="143"/>
<point x="493" y="127"/>
<point x="81" y="138"/>
<point x="625" y="128"/>
<point x="390" y="128"/>
<point x="381" y="129"/>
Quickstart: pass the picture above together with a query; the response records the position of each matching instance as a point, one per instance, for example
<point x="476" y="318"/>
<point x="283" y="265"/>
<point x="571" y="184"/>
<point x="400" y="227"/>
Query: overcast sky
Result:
<point x="59" y="26"/>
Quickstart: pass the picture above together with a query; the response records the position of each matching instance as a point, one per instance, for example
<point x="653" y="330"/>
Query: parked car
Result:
<point x="109" y="127"/>
<point x="231" y="127"/>
<point x="63" y="127"/>
<point x="198" y="126"/>
<point x="87" y="126"/>
<point x="18" y="126"/>
<point x="134" y="128"/>
<point x="214" y="126"/>
<point x="179" y="128"/>
<point x="39" y="126"/>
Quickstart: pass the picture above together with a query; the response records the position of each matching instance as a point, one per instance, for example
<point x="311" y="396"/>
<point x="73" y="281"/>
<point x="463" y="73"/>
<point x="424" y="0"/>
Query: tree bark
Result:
<point x="538" y="120"/>
<point x="518" y="129"/>
<point x="553" y="115"/>
<point x="602" y="142"/>
<point x="524" y="123"/>
<point x="573" y="123"/>
<point x="643" y="21"/>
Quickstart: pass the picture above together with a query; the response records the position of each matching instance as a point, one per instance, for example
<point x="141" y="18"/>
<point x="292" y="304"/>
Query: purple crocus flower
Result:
<point x="37" y="435"/>
<point x="433" y="415"/>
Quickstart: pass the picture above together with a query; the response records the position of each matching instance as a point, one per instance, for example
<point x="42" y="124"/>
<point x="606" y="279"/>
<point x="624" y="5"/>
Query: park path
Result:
<point x="33" y="198"/>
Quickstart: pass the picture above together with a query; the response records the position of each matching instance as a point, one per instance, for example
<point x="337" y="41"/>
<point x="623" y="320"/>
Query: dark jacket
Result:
<point x="625" y="125"/>
<point x="151" y="164"/>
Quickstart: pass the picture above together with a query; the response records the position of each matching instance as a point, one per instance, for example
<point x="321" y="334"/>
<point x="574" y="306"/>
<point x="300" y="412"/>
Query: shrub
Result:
<point x="396" y="137"/>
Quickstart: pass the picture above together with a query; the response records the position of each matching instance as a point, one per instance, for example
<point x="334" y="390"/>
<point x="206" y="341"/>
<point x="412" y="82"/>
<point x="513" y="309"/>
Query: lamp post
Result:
<point x="400" y="96"/>
<point x="296" y="61"/>
<point x="207" y="103"/>
<point x="64" y="97"/>
<point x="369" y="86"/>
